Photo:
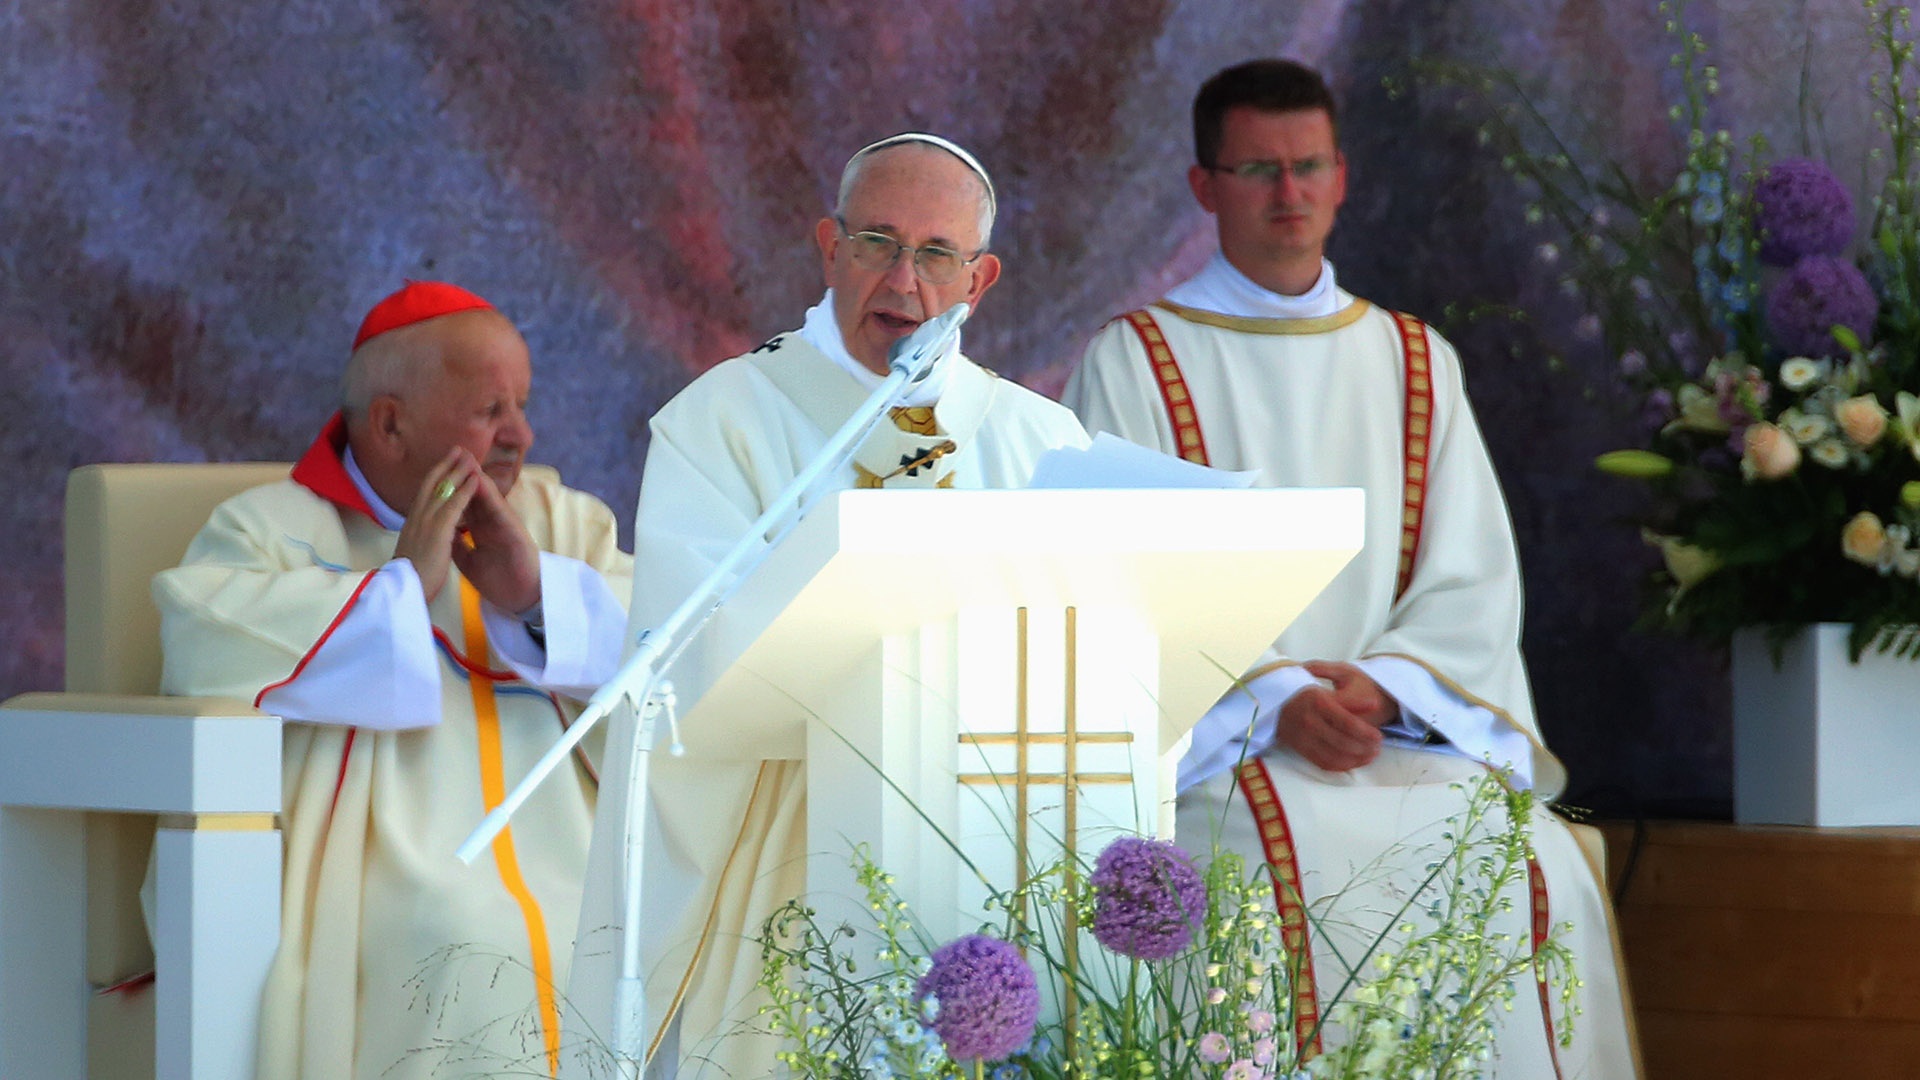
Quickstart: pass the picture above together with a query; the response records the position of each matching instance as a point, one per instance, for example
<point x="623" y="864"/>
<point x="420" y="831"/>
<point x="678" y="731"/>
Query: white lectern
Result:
<point x="1021" y="665"/>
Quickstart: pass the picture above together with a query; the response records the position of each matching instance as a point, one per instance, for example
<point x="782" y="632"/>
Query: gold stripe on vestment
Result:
<point x="219" y="822"/>
<point x="1324" y="324"/>
<point x="493" y="790"/>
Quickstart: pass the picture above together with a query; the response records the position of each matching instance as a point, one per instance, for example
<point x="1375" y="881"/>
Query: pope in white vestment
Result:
<point x="1318" y="390"/>
<point x="731" y="845"/>
<point x="408" y="718"/>
<point x="907" y="241"/>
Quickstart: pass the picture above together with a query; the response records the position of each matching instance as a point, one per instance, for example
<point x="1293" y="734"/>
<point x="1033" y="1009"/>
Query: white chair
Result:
<point x="85" y="777"/>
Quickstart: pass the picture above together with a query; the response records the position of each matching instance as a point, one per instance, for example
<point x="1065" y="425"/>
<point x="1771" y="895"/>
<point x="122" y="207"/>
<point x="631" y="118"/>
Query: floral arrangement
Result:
<point x="1770" y="347"/>
<point x="1186" y="974"/>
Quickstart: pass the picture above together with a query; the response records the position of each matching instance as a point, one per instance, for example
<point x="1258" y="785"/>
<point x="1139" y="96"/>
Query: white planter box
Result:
<point x="1824" y="741"/>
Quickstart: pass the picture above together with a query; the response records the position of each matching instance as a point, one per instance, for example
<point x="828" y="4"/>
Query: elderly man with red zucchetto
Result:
<point x="422" y="612"/>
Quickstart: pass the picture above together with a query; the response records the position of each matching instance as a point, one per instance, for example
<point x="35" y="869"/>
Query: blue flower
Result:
<point x="1733" y="297"/>
<point x="1706" y="281"/>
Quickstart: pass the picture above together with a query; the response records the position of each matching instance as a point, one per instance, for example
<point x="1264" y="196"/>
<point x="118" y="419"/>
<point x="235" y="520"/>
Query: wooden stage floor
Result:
<point x="1766" y="951"/>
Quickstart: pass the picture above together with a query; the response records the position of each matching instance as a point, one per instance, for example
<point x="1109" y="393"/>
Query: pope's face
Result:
<point x="1283" y="221"/>
<point x="918" y="195"/>
<point x="477" y="399"/>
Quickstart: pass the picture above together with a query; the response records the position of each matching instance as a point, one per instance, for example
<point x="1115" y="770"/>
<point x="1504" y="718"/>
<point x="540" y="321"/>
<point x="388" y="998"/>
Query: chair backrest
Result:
<point x="125" y="523"/>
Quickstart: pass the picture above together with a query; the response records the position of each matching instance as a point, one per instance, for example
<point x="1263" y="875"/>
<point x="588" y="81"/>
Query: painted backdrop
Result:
<point x="199" y="199"/>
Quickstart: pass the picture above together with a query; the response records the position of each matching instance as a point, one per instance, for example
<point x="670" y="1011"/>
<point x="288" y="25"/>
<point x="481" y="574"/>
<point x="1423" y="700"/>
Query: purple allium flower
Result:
<point x="1801" y="209"/>
<point x="989" y="1000"/>
<point x="1819" y="293"/>
<point x="1148" y="898"/>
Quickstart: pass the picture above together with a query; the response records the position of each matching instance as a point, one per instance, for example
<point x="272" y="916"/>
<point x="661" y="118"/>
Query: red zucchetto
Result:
<point x="417" y="301"/>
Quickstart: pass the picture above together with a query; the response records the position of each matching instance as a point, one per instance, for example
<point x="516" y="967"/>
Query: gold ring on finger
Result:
<point x="443" y="491"/>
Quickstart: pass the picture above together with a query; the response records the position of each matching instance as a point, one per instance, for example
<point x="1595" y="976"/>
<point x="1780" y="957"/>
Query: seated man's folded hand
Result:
<point x="429" y="536"/>
<point x="499" y="557"/>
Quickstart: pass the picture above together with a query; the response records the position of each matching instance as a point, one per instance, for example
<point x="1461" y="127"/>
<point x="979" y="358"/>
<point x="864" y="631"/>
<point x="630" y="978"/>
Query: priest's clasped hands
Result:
<point x="459" y="518"/>
<point x="1337" y="726"/>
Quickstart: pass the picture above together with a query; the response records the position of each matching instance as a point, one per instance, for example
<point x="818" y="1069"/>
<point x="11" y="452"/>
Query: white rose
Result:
<point x="1862" y="538"/>
<point x="1771" y="453"/>
<point x="1863" y="419"/>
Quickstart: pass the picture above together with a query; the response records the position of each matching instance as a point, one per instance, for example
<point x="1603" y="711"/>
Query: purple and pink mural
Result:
<point x="198" y="201"/>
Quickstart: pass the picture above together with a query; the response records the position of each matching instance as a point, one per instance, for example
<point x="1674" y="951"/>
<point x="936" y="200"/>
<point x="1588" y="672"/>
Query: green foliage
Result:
<point x="1419" y="1002"/>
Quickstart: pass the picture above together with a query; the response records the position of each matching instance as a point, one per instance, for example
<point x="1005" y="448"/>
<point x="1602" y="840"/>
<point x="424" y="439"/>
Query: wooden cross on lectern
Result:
<point x="1070" y="779"/>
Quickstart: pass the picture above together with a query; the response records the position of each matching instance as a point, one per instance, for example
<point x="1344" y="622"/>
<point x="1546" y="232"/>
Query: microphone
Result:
<point x="641" y="679"/>
<point x="915" y="354"/>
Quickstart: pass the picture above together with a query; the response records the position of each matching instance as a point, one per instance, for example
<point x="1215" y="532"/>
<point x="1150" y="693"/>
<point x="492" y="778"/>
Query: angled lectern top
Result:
<point x="1215" y="575"/>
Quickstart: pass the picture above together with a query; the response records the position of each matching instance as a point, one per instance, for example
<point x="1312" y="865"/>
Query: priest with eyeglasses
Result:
<point x="907" y="240"/>
<point x="1343" y="759"/>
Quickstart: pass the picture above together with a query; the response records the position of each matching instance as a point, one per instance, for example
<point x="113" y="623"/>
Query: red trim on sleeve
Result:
<point x="331" y="627"/>
<point x="472" y="668"/>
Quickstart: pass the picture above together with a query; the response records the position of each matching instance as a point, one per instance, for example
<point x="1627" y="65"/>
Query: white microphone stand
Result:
<point x="642" y="678"/>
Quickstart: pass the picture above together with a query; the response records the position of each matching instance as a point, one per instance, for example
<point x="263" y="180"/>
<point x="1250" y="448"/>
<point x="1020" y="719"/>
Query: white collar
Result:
<point x="822" y="331"/>
<point x="386" y="515"/>
<point x="1221" y="288"/>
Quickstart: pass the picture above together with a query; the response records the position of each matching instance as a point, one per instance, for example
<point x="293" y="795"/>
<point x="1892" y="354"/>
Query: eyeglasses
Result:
<point x="876" y="251"/>
<point x="1304" y="171"/>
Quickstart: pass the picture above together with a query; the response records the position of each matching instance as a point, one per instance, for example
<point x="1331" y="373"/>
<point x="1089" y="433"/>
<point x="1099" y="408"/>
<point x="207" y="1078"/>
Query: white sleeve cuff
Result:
<point x="583" y="624"/>
<point x="375" y="667"/>
<point x="1239" y="727"/>
<point x="1471" y="730"/>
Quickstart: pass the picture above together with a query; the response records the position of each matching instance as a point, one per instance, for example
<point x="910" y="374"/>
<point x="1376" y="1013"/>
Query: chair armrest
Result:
<point x="134" y="754"/>
<point x="131" y="704"/>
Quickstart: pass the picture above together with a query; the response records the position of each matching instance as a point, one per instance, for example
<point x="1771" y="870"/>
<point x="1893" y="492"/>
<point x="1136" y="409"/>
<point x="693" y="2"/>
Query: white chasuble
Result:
<point x="1329" y="401"/>
<point x="728" y="841"/>
<point x="396" y="961"/>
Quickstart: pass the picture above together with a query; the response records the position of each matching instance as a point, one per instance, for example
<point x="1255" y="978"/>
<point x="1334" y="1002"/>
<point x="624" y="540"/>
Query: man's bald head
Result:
<point x="971" y="175"/>
<point x="412" y="394"/>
